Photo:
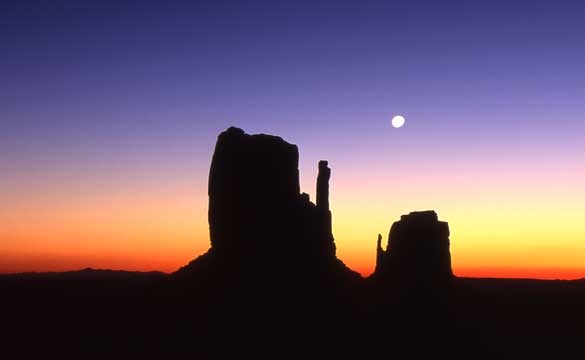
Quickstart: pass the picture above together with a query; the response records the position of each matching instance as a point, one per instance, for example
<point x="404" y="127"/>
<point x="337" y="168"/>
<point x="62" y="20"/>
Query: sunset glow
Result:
<point x="105" y="144"/>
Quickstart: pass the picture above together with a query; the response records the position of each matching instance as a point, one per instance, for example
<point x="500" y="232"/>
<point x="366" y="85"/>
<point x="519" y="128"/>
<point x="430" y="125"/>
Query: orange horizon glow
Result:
<point x="505" y="220"/>
<point x="147" y="234"/>
<point x="23" y="263"/>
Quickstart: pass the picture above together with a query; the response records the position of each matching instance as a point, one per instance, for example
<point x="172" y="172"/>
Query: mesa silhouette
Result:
<point x="270" y="285"/>
<point x="261" y="226"/>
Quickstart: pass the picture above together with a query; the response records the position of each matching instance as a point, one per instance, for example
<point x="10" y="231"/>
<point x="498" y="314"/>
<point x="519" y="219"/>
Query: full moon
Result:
<point x="398" y="121"/>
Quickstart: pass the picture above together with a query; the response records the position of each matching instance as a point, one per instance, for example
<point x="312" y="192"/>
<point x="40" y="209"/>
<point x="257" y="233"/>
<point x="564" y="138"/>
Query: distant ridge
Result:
<point x="85" y="273"/>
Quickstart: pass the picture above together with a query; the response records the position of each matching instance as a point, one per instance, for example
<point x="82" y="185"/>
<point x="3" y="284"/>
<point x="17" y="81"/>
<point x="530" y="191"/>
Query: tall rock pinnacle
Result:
<point x="323" y="185"/>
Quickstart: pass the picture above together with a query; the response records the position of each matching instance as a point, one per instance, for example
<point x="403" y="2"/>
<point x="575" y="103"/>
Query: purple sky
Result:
<point x="100" y="92"/>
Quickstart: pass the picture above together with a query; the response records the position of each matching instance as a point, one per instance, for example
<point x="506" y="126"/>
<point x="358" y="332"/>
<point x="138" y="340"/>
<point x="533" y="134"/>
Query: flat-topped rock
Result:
<point x="417" y="250"/>
<point x="259" y="221"/>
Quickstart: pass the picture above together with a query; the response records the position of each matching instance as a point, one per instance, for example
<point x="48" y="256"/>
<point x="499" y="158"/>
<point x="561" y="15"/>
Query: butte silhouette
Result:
<point x="259" y="219"/>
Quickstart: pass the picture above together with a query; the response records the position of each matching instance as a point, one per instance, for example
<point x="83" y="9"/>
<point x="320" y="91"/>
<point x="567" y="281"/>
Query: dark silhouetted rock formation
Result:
<point x="324" y="214"/>
<point x="417" y="251"/>
<point x="260" y="224"/>
<point x="272" y="259"/>
<point x="323" y="185"/>
<point x="271" y="285"/>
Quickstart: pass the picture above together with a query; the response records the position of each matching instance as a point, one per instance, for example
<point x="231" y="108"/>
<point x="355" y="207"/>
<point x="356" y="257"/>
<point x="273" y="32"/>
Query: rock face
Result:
<point x="259" y="222"/>
<point x="251" y="180"/>
<point x="417" y="251"/>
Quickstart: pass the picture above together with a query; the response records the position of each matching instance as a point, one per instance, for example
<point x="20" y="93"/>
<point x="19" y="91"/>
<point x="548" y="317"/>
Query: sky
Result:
<point x="109" y="112"/>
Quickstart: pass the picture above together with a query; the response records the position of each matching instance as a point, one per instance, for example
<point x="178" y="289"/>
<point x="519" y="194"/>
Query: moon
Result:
<point x="398" y="121"/>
